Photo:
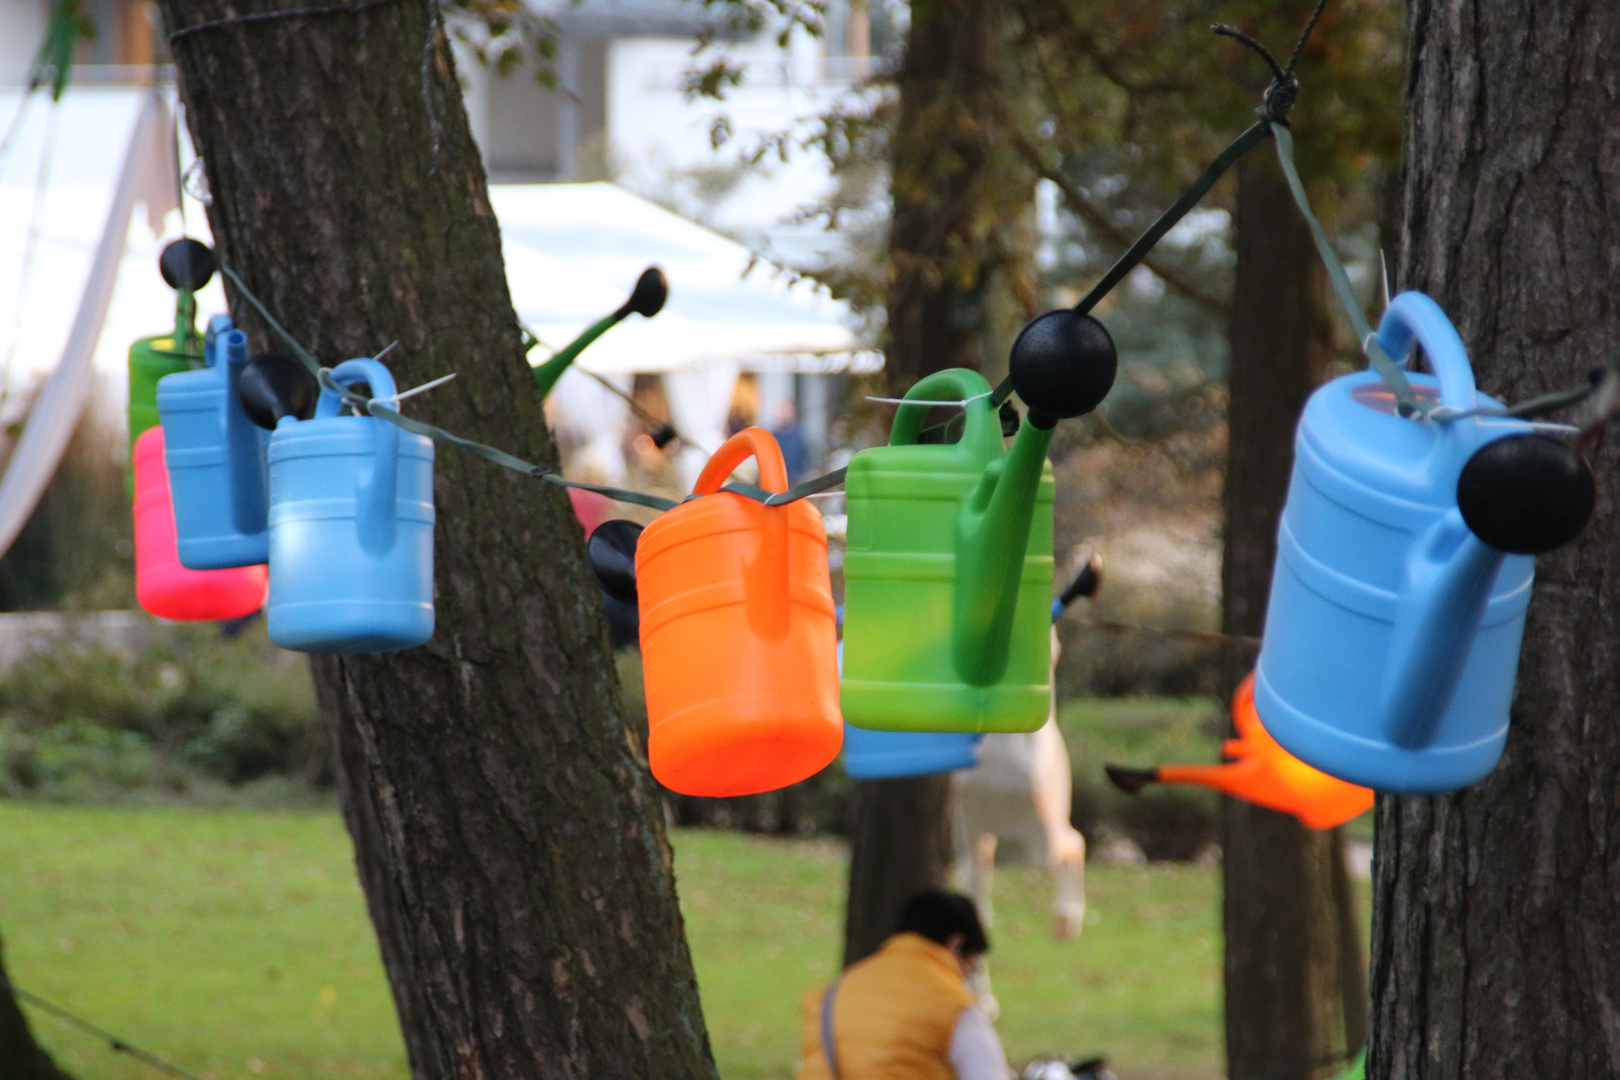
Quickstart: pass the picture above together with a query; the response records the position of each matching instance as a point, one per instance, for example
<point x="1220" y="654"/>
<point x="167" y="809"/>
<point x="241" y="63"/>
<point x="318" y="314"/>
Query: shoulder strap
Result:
<point x="829" y="1049"/>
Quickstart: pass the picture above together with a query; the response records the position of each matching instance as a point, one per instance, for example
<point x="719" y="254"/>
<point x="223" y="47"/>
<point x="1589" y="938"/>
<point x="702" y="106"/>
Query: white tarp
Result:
<point x="564" y="241"/>
<point x="148" y="175"/>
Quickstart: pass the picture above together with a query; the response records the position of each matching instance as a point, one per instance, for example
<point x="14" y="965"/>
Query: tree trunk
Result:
<point x="942" y="254"/>
<point x="901" y="843"/>
<point x="1285" y="1012"/>
<point x="508" y="836"/>
<point x="1496" y="921"/>
<point x="21" y="1057"/>
<point x="941" y="236"/>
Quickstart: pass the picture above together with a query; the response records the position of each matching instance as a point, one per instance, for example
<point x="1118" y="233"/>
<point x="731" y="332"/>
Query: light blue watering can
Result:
<point x="216" y="458"/>
<point x="890" y="755"/>
<point x="1392" y="636"/>
<point x="351" y="527"/>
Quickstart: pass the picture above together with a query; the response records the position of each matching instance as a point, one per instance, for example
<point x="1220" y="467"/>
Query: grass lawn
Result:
<point x="236" y="944"/>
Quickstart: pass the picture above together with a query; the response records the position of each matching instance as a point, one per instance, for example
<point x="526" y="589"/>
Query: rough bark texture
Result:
<point x="941" y="248"/>
<point x="509" y="838"/>
<point x="1285" y="1006"/>
<point x="1496" y="916"/>
<point x="21" y="1057"/>
<point x="901" y="833"/>
<point x="941" y="257"/>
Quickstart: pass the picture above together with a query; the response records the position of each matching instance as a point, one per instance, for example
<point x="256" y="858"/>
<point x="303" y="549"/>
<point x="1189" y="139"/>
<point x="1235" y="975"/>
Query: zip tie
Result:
<point x="402" y="395"/>
<point x="959" y="402"/>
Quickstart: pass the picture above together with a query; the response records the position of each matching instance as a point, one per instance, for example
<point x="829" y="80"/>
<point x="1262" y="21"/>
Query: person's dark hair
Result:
<point x="937" y="914"/>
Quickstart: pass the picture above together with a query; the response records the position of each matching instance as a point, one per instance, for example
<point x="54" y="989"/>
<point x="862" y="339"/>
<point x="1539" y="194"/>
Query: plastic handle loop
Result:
<point x="370" y="372"/>
<point x="753" y="442"/>
<point x="1412" y="315"/>
<point x="952" y="384"/>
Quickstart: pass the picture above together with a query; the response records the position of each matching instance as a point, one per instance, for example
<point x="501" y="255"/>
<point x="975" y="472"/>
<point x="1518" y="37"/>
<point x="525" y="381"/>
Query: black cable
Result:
<point x="122" y="1046"/>
<point x="267" y="16"/>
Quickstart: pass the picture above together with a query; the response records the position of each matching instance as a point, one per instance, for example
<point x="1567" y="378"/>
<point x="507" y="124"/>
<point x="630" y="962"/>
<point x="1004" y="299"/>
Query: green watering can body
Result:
<point x="150" y="359"/>
<point x="948" y="574"/>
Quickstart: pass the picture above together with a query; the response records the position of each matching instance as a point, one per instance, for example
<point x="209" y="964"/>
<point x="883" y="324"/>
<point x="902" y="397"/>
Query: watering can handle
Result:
<point x="752" y="442"/>
<point x="379" y="492"/>
<point x="952" y="384"/>
<point x="1413" y="315"/>
<point x="370" y="372"/>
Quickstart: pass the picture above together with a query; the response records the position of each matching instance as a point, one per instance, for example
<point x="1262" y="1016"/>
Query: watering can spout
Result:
<point x="1449" y="577"/>
<point x="250" y="485"/>
<point x="993" y="533"/>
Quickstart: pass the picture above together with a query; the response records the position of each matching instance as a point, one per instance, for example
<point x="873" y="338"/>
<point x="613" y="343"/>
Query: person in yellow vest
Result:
<point x="905" y="1012"/>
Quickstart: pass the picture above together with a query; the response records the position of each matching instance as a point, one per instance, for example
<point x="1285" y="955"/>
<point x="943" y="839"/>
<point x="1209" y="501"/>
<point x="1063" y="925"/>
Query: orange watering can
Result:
<point x="738" y="635"/>
<point x="1260" y="771"/>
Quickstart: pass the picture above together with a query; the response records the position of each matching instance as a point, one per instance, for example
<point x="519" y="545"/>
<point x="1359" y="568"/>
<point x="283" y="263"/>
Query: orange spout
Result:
<point x="1260" y="771"/>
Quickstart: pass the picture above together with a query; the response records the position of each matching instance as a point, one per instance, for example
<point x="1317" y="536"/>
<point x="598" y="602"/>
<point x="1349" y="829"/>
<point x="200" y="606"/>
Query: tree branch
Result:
<point x="1095" y="216"/>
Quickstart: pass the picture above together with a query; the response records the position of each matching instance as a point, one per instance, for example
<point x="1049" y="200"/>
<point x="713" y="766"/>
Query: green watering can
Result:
<point x="186" y="265"/>
<point x="948" y="571"/>
<point x="948" y="575"/>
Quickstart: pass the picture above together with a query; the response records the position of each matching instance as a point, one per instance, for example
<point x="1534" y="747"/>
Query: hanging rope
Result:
<point x="114" y="1043"/>
<point x="267" y="16"/>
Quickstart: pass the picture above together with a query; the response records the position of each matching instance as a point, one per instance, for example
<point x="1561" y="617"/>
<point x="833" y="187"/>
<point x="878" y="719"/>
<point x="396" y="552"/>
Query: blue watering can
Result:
<point x="215" y="457"/>
<point x="1392" y="636"/>
<point x="889" y="755"/>
<point x="351" y="527"/>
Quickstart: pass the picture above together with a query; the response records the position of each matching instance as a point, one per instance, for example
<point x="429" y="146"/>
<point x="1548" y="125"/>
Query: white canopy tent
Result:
<point x="727" y="312"/>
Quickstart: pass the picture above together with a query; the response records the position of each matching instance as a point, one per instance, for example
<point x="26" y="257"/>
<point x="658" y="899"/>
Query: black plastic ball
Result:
<point x="648" y="297"/>
<point x="273" y="385"/>
<point x="1063" y="365"/>
<point x="1526" y="494"/>
<point x="187" y="264"/>
<point x="611" y="551"/>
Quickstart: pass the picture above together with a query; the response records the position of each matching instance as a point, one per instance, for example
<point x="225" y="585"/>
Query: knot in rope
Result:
<point x="1280" y="98"/>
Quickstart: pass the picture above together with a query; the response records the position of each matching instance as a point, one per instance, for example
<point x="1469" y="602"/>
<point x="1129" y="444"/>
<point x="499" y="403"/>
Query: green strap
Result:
<point x="547" y="374"/>
<point x="793" y="494"/>
<point x="1392" y="374"/>
<point x="1166" y="221"/>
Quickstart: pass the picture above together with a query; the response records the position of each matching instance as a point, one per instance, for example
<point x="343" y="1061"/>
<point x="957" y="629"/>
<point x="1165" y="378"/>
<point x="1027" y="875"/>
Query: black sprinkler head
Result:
<point x="1086" y="582"/>
<point x="612" y="554"/>
<point x="187" y="264"/>
<point x="647" y="298"/>
<point x="273" y="385"/>
<point x="1130" y="781"/>
<point x="1063" y="365"/>
<point x="1526" y="494"/>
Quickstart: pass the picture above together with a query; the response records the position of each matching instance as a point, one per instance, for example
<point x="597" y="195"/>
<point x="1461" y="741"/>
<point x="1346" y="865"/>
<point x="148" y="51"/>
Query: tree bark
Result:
<point x="942" y="235"/>
<point x="21" y="1056"/>
<point x="508" y="836"/>
<point x="901" y="843"/>
<point x="1285" y="1010"/>
<point x="944" y="245"/>
<point x="1496" y="921"/>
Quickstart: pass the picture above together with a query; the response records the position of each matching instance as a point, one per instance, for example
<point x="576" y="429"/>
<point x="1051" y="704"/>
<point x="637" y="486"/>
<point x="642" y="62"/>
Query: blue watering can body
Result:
<point x="216" y="459"/>
<point x="889" y="755"/>
<point x="1392" y="635"/>
<point x="351" y="528"/>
